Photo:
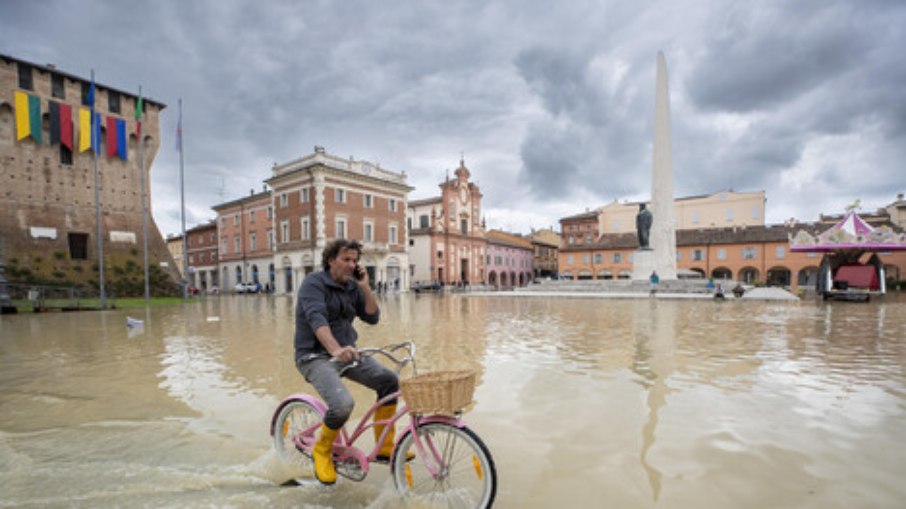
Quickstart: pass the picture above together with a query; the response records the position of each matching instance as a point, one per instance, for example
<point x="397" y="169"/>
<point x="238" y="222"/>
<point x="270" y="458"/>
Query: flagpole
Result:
<point x="97" y="198"/>
<point x="141" y="156"/>
<point x="182" y="208"/>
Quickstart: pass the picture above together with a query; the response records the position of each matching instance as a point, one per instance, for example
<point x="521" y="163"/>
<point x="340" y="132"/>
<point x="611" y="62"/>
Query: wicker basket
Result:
<point x="441" y="392"/>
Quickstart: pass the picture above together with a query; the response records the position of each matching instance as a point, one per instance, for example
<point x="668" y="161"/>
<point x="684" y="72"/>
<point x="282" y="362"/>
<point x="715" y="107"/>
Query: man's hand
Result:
<point x="345" y="354"/>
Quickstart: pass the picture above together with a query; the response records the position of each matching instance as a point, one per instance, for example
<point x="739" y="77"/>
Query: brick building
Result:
<point x="202" y="256"/>
<point x="321" y="197"/>
<point x="546" y="244"/>
<point x="447" y="237"/>
<point x="47" y="184"/>
<point x="245" y="229"/>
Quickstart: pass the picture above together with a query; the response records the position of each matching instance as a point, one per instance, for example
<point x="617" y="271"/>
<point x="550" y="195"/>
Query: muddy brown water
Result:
<point x="582" y="402"/>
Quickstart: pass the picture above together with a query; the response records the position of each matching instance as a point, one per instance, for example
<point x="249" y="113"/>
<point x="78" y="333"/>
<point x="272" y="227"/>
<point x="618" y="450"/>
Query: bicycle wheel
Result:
<point x="294" y="418"/>
<point x="466" y="476"/>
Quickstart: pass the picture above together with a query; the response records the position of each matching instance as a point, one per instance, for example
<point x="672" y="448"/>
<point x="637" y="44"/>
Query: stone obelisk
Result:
<point x="662" y="256"/>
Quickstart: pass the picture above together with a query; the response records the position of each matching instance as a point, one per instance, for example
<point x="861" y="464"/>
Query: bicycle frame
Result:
<point x="344" y="446"/>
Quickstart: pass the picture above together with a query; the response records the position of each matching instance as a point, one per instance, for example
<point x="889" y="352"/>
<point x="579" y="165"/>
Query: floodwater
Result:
<point x="582" y="402"/>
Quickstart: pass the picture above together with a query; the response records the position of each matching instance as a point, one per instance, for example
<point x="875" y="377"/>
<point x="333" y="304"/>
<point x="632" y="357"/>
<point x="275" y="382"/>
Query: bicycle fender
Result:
<point x="446" y="419"/>
<point x="308" y="398"/>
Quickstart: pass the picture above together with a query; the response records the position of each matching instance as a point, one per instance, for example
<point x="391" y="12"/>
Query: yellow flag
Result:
<point x="84" y="129"/>
<point x="23" y="125"/>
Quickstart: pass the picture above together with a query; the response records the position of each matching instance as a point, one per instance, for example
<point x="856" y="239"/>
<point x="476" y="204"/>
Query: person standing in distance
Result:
<point x="329" y="301"/>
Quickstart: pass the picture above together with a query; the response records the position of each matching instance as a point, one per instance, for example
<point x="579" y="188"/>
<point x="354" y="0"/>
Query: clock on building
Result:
<point x="366" y="168"/>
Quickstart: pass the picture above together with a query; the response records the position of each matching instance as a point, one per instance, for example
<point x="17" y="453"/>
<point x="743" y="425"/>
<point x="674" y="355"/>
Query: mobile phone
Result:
<point x="359" y="272"/>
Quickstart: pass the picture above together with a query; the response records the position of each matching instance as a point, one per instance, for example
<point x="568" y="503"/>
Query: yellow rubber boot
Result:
<point x="322" y="454"/>
<point x="384" y="413"/>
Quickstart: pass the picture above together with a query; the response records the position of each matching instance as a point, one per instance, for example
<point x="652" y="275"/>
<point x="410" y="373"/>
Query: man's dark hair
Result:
<point x="333" y="250"/>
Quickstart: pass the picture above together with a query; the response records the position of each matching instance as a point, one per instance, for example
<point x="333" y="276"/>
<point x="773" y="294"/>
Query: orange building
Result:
<point x="751" y="254"/>
<point x="447" y="238"/>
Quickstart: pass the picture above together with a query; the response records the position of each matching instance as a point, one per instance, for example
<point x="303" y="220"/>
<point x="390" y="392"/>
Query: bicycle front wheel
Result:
<point x="294" y="418"/>
<point x="456" y="471"/>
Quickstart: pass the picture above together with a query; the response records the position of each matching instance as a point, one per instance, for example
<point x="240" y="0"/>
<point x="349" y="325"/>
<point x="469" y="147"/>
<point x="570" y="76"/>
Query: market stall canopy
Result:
<point x="851" y="233"/>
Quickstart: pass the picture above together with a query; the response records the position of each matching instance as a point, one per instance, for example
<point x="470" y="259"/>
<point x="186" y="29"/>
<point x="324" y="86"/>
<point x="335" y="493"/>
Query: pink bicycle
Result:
<point x="447" y="462"/>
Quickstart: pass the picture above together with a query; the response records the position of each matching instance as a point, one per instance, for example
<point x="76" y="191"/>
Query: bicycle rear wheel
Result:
<point x="294" y="418"/>
<point x="465" y="474"/>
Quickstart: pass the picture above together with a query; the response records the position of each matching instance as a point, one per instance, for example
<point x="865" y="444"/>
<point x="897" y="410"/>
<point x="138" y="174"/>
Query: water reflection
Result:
<point x="636" y="403"/>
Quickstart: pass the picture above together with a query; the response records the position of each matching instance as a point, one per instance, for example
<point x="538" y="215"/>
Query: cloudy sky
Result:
<point x="550" y="103"/>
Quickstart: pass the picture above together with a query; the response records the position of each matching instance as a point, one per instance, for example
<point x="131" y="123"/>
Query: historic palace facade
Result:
<point x="322" y="197"/>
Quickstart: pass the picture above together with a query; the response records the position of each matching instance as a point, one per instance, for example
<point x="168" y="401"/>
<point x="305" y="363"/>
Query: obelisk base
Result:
<point x="643" y="264"/>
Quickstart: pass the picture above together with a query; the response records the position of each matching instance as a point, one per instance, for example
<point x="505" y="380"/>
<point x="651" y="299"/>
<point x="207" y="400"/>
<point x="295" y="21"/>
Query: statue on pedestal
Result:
<point x="643" y="222"/>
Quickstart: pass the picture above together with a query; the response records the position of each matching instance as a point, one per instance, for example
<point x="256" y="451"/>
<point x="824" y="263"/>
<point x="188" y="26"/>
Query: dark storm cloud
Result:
<point x="551" y="104"/>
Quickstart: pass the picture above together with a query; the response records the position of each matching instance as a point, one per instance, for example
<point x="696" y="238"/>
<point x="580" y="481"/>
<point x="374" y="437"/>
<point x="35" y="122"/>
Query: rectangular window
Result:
<point x="585" y="259"/>
<point x="223" y="244"/>
<point x="57" y="86"/>
<point x="569" y="259"/>
<point x="749" y="253"/>
<point x="271" y="240"/>
<point x="392" y="205"/>
<point x="65" y="155"/>
<point x="368" y="201"/>
<point x="696" y="217"/>
<point x="284" y="200"/>
<point x="588" y="239"/>
<point x="306" y="228"/>
<point x="617" y="257"/>
<point x="25" y="80"/>
<point x="78" y="246"/>
<point x="341" y="229"/>
<point x="251" y="216"/>
<point x="464" y="226"/>
<point x="780" y="252"/>
<point x="698" y="255"/>
<point x="599" y="258"/>
<point x="368" y="236"/>
<point x="721" y="254"/>
<point x="270" y="212"/>
<point x="423" y="221"/>
<point x="729" y="214"/>
<point x="303" y="195"/>
<point x="253" y="241"/>
<point x="393" y="234"/>
<point x="222" y="221"/>
<point x="113" y="101"/>
<point x="237" y="244"/>
<point x="86" y="86"/>
<point x="340" y="197"/>
<point x="284" y="231"/>
<point x="236" y="219"/>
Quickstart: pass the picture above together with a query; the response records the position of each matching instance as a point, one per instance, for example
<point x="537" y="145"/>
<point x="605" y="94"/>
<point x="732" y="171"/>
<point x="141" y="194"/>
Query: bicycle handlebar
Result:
<point x="386" y="351"/>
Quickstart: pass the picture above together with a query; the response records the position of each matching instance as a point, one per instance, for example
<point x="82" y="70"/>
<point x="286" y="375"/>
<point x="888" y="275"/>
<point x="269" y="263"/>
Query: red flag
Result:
<point x="111" y="136"/>
<point x="66" y="125"/>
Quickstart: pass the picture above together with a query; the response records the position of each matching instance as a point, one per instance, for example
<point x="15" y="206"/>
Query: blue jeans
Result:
<point x="325" y="377"/>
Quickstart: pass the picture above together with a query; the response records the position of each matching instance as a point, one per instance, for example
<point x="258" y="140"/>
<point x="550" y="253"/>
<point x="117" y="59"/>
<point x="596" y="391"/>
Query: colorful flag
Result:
<point x="96" y="134"/>
<point x="90" y="97"/>
<point x="111" y="137"/>
<point x="121" y="138"/>
<point x="53" y="111"/>
<point x="66" y="125"/>
<point x="34" y="114"/>
<point x="23" y="122"/>
<point x="85" y="123"/>
<point x="139" y="110"/>
<point x="179" y="129"/>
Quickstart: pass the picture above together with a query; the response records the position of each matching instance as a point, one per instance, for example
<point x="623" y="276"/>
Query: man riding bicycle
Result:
<point x="328" y="302"/>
